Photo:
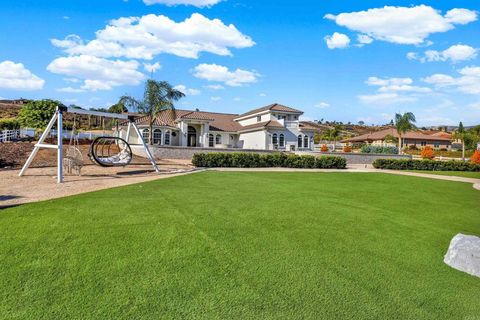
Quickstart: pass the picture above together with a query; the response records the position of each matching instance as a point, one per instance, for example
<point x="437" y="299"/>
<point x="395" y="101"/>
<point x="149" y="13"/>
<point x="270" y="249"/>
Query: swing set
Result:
<point x="105" y="151"/>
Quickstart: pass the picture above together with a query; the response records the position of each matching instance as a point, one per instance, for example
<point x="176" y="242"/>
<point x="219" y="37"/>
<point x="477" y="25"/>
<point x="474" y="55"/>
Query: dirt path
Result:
<point x="40" y="183"/>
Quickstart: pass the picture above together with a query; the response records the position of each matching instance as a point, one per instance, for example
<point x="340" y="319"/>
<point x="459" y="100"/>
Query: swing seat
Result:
<point x="73" y="160"/>
<point x="110" y="152"/>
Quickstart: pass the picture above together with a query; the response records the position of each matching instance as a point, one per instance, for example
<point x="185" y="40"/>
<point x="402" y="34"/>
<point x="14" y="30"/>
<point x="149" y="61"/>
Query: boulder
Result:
<point x="464" y="254"/>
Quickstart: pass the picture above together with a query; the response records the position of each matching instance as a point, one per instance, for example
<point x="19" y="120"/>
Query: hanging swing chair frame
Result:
<point x="58" y="118"/>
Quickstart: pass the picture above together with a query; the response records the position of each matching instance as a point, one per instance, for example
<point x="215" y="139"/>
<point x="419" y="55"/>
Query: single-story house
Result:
<point x="410" y="138"/>
<point x="273" y="127"/>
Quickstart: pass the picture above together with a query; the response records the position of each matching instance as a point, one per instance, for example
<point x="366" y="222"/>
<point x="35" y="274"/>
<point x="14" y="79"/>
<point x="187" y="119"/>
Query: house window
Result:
<point x="295" y="117"/>
<point x="282" y="140"/>
<point x="157" y="136"/>
<point x="274" y="139"/>
<point x="210" y="140"/>
<point x="218" y="139"/>
<point x="436" y="145"/>
<point x="167" y="138"/>
<point x="423" y="143"/>
<point x="299" y="141"/>
<point x="146" y="135"/>
<point x="305" y="141"/>
<point x="259" y="118"/>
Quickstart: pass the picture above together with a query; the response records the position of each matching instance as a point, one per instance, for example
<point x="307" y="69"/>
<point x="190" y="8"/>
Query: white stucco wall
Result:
<point x="253" y="119"/>
<point x="253" y="140"/>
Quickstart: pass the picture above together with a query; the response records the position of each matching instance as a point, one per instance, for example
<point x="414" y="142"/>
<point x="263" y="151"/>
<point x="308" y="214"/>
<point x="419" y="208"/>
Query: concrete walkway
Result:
<point x="361" y="168"/>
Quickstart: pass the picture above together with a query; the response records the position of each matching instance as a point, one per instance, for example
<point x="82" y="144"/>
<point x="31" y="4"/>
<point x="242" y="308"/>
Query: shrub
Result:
<point x="9" y="124"/>
<point x="430" y="165"/>
<point x="412" y="147"/>
<point x="347" y="148"/>
<point x="476" y="157"/>
<point x="378" y="149"/>
<point x="427" y="153"/>
<point x="324" y="148"/>
<point x="256" y="160"/>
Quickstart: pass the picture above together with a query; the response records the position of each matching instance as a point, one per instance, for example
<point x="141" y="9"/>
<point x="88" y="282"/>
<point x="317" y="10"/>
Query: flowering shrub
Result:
<point x="476" y="157"/>
<point x="324" y="148"/>
<point x="347" y="148"/>
<point x="427" y="153"/>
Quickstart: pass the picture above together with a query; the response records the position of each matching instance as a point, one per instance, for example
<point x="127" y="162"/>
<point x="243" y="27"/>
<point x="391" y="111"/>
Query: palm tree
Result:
<point x="403" y="123"/>
<point x="460" y="134"/>
<point x="332" y="135"/>
<point x="158" y="96"/>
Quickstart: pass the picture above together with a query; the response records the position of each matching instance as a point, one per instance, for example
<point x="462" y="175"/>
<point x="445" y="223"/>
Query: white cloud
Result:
<point x="468" y="81"/>
<point x="403" y="25"/>
<point x="364" y="39"/>
<point x="98" y="73"/>
<point x="196" y="3"/>
<point x="215" y="72"/>
<point x="337" y="41"/>
<point x="237" y="99"/>
<point x="385" y="98"/>
<point x="70" y="90"/>
<point x="215" y="87"/>
<point x="149" y="35"/>
<point x="262" y="94"/>
<point x="215" y="99"/>
<point x="322" y="105"/>
<point x="455" y="53"/>
<point x="375" y="81"/>
<point x="152" y="67"/>
<point x="16" y="77"/>
<point x="187" y="91"/>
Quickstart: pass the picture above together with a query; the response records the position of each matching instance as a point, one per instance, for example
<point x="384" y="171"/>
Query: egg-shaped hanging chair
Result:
<point x="110" y="152"/>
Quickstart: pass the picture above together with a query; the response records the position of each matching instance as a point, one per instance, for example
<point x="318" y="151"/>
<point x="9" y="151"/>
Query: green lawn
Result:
<point x="465" y="174"/>
<point x="243" y="246"/>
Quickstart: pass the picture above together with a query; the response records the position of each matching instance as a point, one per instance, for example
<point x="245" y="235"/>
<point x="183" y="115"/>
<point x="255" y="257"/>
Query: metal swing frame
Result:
<point x="58" y="118"/>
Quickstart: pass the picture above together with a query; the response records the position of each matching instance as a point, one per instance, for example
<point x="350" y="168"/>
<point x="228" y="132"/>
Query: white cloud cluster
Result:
<point x="16" y="77"/>
<point x="150" y="35"/>
<point x="322" y="105"/>
<point x="152" y="67"/>
<point x="403" y="25"/>
<point x="392" y="91"/>
<point x="455" y="53"/>
<point x="337" y="41"/>
<point x="97" y="73"/>
<point x="468" y="81"/>
<point x="215" y="72"/>
<point x="187" y="91"/>
<point x="196" y="3"/>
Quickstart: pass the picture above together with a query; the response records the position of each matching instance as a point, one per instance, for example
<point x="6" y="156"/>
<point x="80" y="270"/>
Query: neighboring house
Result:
<point x="273" y="127"/>
<point x="410" y="138"/>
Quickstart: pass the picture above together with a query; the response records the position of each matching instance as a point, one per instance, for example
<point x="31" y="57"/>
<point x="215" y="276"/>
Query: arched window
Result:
<point x="299" y="141"/>
<point x="167" y="138"/>
<point x="146" y="135"/>
<point x="218" y="139"/>
<point x="210" y="140"/>
<point x="305" y="141"/>
<point x="274" y="139"/>
<point x="282" y="140"/>
<point x="157" y="136"/>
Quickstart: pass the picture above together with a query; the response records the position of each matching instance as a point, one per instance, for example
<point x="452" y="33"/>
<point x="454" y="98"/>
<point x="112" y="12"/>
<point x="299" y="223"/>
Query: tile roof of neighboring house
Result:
<point x="218" y="121"/>
<point x="271" y="124"/>
<point x="310" y="125"/>
<point x="380" y="135"/>
<point x="272" y="107"/>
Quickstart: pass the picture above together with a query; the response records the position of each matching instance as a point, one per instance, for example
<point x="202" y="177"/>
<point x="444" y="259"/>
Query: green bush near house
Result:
<point x="430" y="165"/>
<point x="378" y="149"/>
<point x="256" y="160"/>
<point x="9" y="124"/>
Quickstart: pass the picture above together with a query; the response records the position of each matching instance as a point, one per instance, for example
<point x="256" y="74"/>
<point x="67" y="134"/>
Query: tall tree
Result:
<point x="403" y="123"/>
<point x="460" y="134"/>
<point x="37" y="113"/>
<point x="158" y="96"/>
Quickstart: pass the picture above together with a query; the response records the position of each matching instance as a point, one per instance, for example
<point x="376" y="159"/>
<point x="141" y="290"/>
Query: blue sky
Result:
<point x="337" y="60"/>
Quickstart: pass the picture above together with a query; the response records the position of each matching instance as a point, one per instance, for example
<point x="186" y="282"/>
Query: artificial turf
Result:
<point x="465" y="174"/>
<point x="243" y="246"/>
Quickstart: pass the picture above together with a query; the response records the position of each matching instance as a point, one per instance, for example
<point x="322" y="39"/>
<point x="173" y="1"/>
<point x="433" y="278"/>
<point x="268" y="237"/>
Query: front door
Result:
<point x="192" y="137"/>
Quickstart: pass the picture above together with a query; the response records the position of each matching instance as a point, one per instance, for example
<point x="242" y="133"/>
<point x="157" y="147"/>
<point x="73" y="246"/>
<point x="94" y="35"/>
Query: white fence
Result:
<point x="9" y="135"/>
<point x="12" y="135"/>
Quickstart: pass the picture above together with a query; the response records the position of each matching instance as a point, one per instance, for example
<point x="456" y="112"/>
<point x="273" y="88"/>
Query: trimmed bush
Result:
<point x="427" y="153"/>
<point x="347" y="148"/>
<point x="431" y="165"/>
<point x="378" y="149"/>
<point x="9" y="124"/>
<point x="475" y="157"/>
<point x="324" y="148"/>
<point x="256" y="160"/>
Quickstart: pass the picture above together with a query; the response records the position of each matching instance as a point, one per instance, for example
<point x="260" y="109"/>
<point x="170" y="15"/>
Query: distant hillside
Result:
<point x="10" y="108"/>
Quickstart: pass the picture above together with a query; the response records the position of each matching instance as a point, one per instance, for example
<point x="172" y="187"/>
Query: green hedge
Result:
<point x="256" y="160"/>
<point x="432" y="165"/>
<point x="378" y="149"/>
<point x="9" y="124"/>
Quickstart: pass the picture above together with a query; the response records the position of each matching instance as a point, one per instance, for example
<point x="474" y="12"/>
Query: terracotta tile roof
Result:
<point x="271" y="124"/>
<point x="197" y="115"/>
<point x="272" y="107"/>
<point x="310" y="125"/>
<point x="380" y="135"/>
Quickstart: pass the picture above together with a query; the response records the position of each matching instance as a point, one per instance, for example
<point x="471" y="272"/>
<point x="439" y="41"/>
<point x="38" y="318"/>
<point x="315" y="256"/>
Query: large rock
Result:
<point x="464" y="254"/>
